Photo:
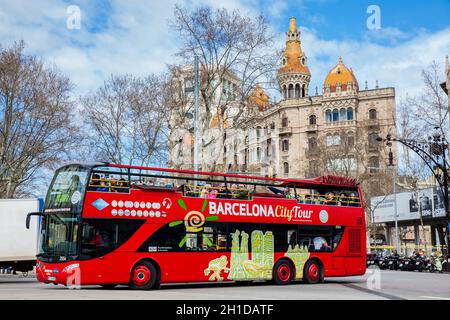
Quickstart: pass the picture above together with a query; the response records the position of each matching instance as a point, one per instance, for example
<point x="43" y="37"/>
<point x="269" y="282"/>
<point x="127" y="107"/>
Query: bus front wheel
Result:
<point x="144" y="276"/>
<point x="283" y="272"/>
<point x="313" y="272"/>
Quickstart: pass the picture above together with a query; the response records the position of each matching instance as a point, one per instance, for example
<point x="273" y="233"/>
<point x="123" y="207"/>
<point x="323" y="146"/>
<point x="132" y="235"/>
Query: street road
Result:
<point x="380" y="285"/>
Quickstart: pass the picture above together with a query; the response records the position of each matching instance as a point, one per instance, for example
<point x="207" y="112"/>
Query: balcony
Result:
<point x="334" y="124"/>
<point x="285" y="130"/>
<point x="312" y="127"/>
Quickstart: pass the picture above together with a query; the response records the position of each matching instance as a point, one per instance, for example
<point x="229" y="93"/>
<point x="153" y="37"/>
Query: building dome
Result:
<point x="259" y="98"/>
<point x="341" y="76"/>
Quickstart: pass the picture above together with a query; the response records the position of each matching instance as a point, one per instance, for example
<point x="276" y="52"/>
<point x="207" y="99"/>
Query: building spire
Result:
<point x="292" y="25"/>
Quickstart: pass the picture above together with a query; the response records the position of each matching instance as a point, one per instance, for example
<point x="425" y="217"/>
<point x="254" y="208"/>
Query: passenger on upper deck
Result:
<point x="330" y="199"/>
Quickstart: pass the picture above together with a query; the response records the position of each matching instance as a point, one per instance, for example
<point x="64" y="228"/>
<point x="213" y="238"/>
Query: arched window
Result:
<point x="372" y="114"/>
<point x="303" y="90"/>
<point x="342" y="114"/>
<point x="335" y="115"/>
<point x="374" y="164"/>
<point x="286" y="168"/>
<point x="303" y="61"/>
<point x="258" y="154"/>
<point x="285" y="145"/>
<point x="328" y="115"/>
<point x="297" y="91"/>
<point x="272" y="125"/>
<point x="284" y="92"/>
<point x="312" y="119"/>
<point x="373" y="143"/>
<point x="291" y="91"/>
<point x="258" y="132"/>
<point x="312" y="144"/>
<point x="284" y="121"/>
<point x="350" y="113"/>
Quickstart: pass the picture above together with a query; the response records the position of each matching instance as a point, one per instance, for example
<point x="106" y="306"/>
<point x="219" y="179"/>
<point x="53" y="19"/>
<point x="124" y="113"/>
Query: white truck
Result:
<point x="18" y="245"/>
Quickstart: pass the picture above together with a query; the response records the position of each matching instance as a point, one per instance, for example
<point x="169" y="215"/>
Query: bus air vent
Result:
<point x="354" y="241"/>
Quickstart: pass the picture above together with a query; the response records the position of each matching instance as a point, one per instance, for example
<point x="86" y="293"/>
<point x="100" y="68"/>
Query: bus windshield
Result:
<point x="62" y="214"/>
<point x="67" y="190"/>
<point x="59" y="237"/>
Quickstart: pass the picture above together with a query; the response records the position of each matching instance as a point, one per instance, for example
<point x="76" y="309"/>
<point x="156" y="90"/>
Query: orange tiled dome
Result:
<point x="259" y="98"/>
<point x="340" y="74"/>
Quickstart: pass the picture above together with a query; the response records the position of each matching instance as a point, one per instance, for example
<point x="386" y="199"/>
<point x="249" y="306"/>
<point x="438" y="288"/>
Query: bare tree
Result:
<point x="36" y="129"/>
<point x="232" y="48"/>
<point x="126" y="120"/>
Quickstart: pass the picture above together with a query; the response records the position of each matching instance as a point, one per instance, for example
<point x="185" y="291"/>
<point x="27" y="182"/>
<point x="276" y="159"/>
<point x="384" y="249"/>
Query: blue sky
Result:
<point x="133" y="36"/>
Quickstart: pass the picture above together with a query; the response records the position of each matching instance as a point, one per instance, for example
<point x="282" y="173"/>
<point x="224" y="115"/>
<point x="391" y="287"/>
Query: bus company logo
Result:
<point x="256" y="210"/>
<point x="100" y="204"/>
<point x="323" y="216"/>
<point x="193" y="222"/>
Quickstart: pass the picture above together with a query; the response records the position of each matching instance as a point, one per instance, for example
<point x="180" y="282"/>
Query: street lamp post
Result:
<point x="430" y="151"/>
<point x="394" y="189"/>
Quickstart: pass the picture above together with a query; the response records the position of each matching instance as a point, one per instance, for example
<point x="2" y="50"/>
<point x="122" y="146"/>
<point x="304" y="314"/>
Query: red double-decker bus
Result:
<point x="109" y="224"/>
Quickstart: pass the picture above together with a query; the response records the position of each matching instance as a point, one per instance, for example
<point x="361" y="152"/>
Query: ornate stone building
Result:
<point x="306" y="136"/>
<point x="302" y="135"/>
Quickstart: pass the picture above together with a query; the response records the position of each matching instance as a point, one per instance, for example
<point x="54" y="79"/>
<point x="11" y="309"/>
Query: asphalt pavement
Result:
<point x="375" y="285"/>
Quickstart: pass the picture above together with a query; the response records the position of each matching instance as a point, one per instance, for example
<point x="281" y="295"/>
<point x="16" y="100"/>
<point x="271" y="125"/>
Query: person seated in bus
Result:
<point x="320" y="244"/>
<point x="307" y="199"/>
<point x="343" y="199"/>
<point x="123" y="186"/>
<point x="330" y="199"/>
<point x="94" y="183"/>
<point x="115" y="185"/>
<point x="288" y="194"/>
<point x="353" y="200"/>
<point x="212" y="194"/>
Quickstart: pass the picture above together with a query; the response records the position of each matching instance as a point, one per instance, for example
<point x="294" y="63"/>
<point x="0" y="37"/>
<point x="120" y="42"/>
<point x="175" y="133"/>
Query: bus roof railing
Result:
<point x="328" y="180"/>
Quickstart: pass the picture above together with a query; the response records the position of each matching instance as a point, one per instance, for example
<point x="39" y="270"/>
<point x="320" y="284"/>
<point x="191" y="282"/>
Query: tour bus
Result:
<point x="110" y="224"/>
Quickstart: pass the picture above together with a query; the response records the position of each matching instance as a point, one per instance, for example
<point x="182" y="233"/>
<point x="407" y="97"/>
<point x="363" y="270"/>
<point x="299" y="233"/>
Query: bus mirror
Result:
<point x="27" y="223"/>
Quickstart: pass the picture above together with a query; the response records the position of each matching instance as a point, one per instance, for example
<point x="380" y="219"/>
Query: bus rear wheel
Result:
<point x="283" y="272"/>
<point x="144" y="276"/>
<point x="313" y="272"/>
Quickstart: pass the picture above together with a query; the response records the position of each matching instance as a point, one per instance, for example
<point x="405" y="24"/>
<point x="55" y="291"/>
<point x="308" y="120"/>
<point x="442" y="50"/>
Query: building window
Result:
<point x="343" y="114"/>
<point x="335" y="115"/>
<point x="297" y="90"/>
<point x="349" y="113"/>
<point x="258" y="154"/>
<point x="373" y="143"/>
<point x="333" y="140"/>
<point x="372" y="114"/>
<point x="272" y="125"/>
<point x="258" y="133"/>
<point x="284" y="121"/>
<point x="291" y="91"/>
<point x="374" y="165"/>
<point x="284" y="92"/>
<point x="286" y="168"/>
<point x="304" y="90"/>
<point x="328" y="115"/>
<point x="285" y="145"/>
<point x="312" y="119"/>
